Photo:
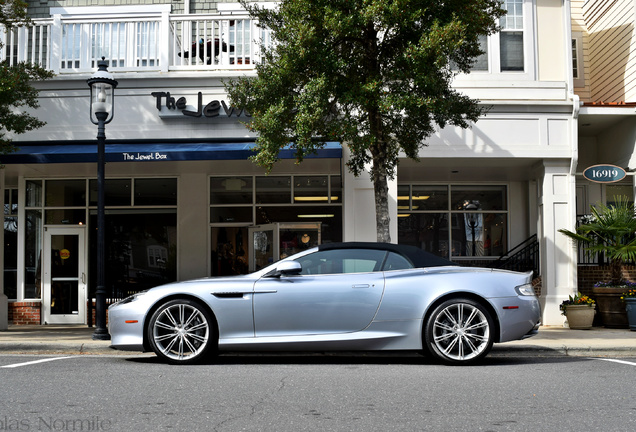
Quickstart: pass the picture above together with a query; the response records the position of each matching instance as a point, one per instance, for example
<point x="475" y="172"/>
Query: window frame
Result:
<point x="577" y="56"/>
<point x="451" y="212"/>
<point x="493" y="46"/>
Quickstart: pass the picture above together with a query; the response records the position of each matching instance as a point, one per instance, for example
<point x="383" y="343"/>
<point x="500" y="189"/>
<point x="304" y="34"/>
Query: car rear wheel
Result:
<point x="459" y="331"/>
<point x="181" y="331"/>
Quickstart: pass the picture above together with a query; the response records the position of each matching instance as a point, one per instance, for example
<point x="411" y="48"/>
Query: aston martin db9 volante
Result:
<point x="335" y="297"/>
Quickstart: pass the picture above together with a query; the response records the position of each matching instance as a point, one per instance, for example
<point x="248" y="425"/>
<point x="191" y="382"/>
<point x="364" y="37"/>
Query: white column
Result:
<point x="558" y="255"/>
<point x="359" y="205"/>
<point x="55" y="44"/>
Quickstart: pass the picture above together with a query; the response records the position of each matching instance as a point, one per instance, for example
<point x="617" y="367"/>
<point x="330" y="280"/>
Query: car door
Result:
<point x="338" y="291"/>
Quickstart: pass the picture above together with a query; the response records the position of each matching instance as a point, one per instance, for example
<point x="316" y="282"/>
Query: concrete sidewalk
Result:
<point x="551" y="341"/>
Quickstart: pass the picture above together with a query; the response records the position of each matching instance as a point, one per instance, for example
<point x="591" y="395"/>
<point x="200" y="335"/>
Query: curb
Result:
<point x="51" y="348"/>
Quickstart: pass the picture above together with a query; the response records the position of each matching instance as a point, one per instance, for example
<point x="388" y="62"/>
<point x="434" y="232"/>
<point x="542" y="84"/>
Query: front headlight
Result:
<point x="131" y="298"/>
<point x="525" y="290"/>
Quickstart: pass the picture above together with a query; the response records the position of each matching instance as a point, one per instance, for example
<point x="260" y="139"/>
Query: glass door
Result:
<point x="64" y="279"/>
<point x="272" y="242"/>
<point x="264" y="246"/>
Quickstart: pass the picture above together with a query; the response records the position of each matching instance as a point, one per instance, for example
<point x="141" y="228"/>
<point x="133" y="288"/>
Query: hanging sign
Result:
<point x="604" y="173"/>
<point x="65" y="254"/>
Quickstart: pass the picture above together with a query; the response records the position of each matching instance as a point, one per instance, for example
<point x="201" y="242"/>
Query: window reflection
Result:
<point x="474" y="223"/>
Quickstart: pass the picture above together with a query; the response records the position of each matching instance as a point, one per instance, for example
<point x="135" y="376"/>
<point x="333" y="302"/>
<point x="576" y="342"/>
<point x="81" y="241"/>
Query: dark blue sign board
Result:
<point x="604" y="173"/>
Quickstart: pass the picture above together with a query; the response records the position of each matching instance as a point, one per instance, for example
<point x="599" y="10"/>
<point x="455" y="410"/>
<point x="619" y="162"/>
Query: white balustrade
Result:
<point x="160" y="43"/>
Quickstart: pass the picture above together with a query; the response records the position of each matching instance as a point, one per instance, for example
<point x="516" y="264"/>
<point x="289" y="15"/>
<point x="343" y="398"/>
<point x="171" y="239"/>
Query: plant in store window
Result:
<point x="611" y="232"/>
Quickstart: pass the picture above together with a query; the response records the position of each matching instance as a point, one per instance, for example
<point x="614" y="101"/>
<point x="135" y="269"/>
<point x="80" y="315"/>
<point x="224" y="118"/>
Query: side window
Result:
<point x="511" y="37"/>
<point x="340" y="261"/>
<point x="396" y="262"/>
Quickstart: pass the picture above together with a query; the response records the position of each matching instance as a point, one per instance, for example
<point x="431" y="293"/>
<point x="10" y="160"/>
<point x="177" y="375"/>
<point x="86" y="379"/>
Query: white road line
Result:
<point x="617" y="361"/>
<point x="34" y="362"/>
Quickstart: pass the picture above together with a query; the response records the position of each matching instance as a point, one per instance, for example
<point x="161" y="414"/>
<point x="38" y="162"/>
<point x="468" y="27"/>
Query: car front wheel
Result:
<point x="459" y="331"/>
<point x="181" y="331"/>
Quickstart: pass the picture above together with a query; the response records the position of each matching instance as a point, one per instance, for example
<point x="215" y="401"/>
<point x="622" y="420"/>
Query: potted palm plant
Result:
<point x="611" y="232"/>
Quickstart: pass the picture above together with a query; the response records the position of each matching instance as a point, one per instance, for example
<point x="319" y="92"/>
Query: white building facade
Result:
<point x="183" y="200"/>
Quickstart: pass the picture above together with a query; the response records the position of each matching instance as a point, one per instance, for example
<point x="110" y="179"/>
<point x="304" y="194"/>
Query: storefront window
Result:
<point x="117" y="192"/>
<point x="429" y="197"/>
<point x="33" y="254"/>
<point x="482" y="197"/>
<point x="428" y="231"/>
<point x="273" y="189"/>
<point x="34" y="193"/>
<point x="231" y="214"/>
<point x="335" y="184"/>
<point x="141" y="242"/>
<point x="140" y="251"/>
<point x="311" y="189"/>
<point x="10" y="243"/>
<point x="479" y="234"/>
<point x="454" y="221"/>
<point x="65" y="193"/>
<point x="292" y="203"/>
<point x="65" y="216"/>
<point x="231" y="190"/>
<point x="229" y="257"/>
<point x="156" y="192"/>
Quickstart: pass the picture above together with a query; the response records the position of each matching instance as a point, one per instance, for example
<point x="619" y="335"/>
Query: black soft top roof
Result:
<point x="417" y="256"/>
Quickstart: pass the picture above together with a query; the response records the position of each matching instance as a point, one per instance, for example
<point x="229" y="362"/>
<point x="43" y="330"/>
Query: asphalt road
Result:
<point x="315" y="393"/>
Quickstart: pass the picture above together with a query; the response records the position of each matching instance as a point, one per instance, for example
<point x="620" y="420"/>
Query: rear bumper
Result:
<point x="519" y="317"/>
<point x="533" y="332"/>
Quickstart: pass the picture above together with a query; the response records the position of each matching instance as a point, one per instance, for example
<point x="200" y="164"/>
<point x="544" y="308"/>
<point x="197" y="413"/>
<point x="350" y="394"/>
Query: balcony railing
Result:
<point x="159" y="43"/>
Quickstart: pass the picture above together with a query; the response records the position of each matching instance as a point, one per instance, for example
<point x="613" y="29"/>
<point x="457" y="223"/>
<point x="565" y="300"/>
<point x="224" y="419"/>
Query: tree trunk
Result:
<point x="616" y="271"/>
<point x="382" y="218"/>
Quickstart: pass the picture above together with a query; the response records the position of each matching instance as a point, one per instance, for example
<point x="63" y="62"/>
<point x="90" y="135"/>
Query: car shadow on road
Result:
<point x="363" y="358"/>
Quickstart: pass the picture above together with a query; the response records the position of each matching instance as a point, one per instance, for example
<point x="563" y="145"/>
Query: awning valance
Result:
<point x="74" y="152"/>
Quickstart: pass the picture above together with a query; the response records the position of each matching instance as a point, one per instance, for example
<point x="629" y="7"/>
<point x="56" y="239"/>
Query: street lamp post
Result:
<point x="102" y="87"/>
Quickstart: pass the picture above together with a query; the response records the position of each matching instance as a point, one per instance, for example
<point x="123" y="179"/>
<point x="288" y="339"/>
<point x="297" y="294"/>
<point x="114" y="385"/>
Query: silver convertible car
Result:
<point x="335" y="297"/>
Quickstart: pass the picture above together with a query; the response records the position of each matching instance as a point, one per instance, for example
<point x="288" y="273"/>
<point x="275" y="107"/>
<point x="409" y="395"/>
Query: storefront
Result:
<point x="169" y="217"/>
<point x="184" y="201"/>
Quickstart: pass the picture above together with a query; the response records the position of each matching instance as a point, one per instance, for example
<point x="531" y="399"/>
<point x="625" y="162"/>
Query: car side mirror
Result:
<point x="288" y="268"/>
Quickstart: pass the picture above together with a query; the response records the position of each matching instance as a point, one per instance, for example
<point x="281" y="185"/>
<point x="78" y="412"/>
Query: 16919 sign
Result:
<point x="604" y="173"/>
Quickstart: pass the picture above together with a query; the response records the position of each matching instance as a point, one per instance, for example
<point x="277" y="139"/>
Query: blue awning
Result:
<point x="30" y="153"/>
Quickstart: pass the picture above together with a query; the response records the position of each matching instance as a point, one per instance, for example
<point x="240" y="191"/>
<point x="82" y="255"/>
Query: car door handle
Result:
<point x="361" y="286"/>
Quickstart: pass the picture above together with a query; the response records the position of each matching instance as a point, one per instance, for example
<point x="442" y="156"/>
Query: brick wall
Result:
<point x="589" y="275"/>
<point x="23" y="313"/>
<point x="29" y="313"/>
<point x="537" y="284"/>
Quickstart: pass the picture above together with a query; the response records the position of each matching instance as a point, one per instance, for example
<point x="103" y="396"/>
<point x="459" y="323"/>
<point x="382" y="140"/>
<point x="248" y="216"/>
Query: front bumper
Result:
<point x="126" y="327"/>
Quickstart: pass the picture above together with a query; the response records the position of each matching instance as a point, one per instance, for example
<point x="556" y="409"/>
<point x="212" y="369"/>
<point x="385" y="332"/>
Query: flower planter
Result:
<point x="630" y="308"/>
<point x="610" y="306"/>
<point x="580" y="317"/>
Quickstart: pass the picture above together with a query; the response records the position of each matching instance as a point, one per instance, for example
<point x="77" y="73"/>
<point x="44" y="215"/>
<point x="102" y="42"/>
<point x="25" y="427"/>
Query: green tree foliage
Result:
<point x="16" y="91"/>
<point x="373" y="74"/>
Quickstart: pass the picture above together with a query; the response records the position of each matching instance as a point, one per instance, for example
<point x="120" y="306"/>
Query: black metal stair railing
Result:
<point x="523" y="257"/>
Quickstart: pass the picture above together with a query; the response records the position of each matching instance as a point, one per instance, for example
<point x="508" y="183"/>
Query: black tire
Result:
<point x="182" y="331"/>
<point x="459" y="331"/>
